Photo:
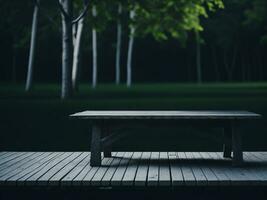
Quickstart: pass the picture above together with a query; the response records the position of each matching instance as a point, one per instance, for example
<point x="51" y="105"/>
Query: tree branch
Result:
<point x="83" y="13"/>
<point x="65" y="14"/>
<point x="37" y="3"/>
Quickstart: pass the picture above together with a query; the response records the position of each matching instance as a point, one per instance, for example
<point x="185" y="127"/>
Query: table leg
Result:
<point x="237" y="146"/>
<point x="107" y="149"/>
<point x="96" y="146"/>
<point x="227" y="143"/>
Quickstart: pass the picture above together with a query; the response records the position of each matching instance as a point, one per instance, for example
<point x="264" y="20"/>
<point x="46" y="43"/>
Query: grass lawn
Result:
<point x="39" y="120"/>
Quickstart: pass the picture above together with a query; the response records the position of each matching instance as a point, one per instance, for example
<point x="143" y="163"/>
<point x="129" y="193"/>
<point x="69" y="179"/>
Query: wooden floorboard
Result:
<point x="131" y="169"/>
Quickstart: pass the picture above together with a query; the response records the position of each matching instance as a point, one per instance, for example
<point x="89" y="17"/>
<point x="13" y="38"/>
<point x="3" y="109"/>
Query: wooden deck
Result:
<point x="134" y="169"/>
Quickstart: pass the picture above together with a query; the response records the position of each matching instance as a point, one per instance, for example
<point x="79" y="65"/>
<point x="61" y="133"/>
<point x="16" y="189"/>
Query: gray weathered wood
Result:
<point x="35" y="169"/>
<point x="237" y="145"/>
<point x="153" y="170"/>
<point x="6" y="154"/>
<point x="89" y="176"/>
<point x="197" y="171"/>
<point x="68" y="179"/>
<point x="23" y="175"/>
<point x="96" y="146"/>
<point x="227" y="143"/>
<point x="176" y="172"/>
<point x="130" y="114"/>
<point x="142" y="171"/>
<point x="44" y="179"/>
<point x="23" y="166"/>
<point x="137" y="169"/>
<point x="10" y="158"/>
<point x="54" y="180"/>
<point x="32" y="180"/>
<point x="218" y="170"/>
<point x="188" y="175"/>
<point x="9" y="167"/>
<point x="107" y="148"/>
<point x="164" y="170"/>
<point x="119" y="173"/>
<point x="209" y="174"/>
<point x="106" y="162"/>
<point x="128" y="178"/>
<point x="106" y="180"/>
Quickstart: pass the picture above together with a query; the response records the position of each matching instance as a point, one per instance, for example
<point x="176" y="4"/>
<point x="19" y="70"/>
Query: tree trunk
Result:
<point x="76" y="54"/>
<point x="94" y="43"/>
<point x="226" y="65"/>
<point x="215" y="62"/>
<point x="198" y="58"/>
<point x="67" y="49"/>
<point x="32" y="46"/>
<point x="14" y="64"/>
<point x="118" y="46"/>
<point x="130" y="52"/>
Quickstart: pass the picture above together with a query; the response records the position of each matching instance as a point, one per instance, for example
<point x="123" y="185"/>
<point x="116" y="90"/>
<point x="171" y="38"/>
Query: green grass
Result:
<point x="38" y="120"/>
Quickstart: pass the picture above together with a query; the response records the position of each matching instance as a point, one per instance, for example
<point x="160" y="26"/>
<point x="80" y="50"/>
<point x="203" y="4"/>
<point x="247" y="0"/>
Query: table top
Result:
<point x="165" y="114"/>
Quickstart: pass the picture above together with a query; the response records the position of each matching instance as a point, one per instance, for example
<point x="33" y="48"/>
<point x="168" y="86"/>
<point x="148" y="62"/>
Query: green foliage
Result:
<point x="104" y="14"/>
<point x="256" y="17"/>
<point x="173" y="18"/>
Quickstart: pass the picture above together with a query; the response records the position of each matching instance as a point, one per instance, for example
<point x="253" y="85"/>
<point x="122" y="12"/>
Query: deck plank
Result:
<point x="188" y="174"/>
<point x="153" y="170"/>
<point x="211" y="177"/>
<point x="6" y="154"/>
<point x="35" y="169"/>
<point x="120" y="171"/>
<point x="32" y="180"/>
<point x="20" y="168"/>
<point x="164" y="170"/>
<point x="55" y="179"/>
<point x="23" y="175"/>
<point x="130" y="173"/>
<point x="96" y="180"/>
<point x="69" y="178"/>
<point x="45" y="178"/>
<point x="218" y="170"/>
<point x="106" y="180"/>
<point x="198" y="170"/>
<point x="175" y="170"/>
<point x="23" y="159"/>
<point x="142" y="171"/>
<point x="128" y="169"/>
<point x="6" y="162"/>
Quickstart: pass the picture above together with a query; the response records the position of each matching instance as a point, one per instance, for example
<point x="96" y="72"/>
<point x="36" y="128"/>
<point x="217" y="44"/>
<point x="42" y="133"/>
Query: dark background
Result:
<point x="164" y="77"/>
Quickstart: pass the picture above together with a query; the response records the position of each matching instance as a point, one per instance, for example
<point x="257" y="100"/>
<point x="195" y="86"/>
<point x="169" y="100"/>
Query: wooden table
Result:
<point x="102" y="121"/>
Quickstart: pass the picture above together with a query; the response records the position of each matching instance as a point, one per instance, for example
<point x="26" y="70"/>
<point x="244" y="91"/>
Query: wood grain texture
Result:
<point x="132" y="169"/>
<point x="153" y="114"/>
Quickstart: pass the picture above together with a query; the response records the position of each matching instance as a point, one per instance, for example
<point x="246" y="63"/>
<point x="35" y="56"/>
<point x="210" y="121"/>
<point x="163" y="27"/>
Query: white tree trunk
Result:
<point x="118" y="46"/>
<point x="94" y="43"/>
<point x="76" y="54"/>
<point x="67" y="48"/>
<point x="130" y="52"/>
<point x="74" y="33"/>
<point x="32" y="46"/>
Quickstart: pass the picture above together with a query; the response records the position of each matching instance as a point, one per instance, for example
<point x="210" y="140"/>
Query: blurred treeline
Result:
<point x="233" y="47"/>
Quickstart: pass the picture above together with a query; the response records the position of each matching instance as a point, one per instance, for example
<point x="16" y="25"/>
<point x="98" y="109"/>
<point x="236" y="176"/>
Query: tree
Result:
<point x="98" y="18"/>
<point x="130" y="49"/>
<point x="77" y="37"/>
<point x="256" y="17"/>
<point x="198" y="57"/>
<point x="118" y="45"/>
<point x="66" y="8"/>
<point x="94" y="44"/>
<point x="164" y="19"/>
<point x="32" y="46"/>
